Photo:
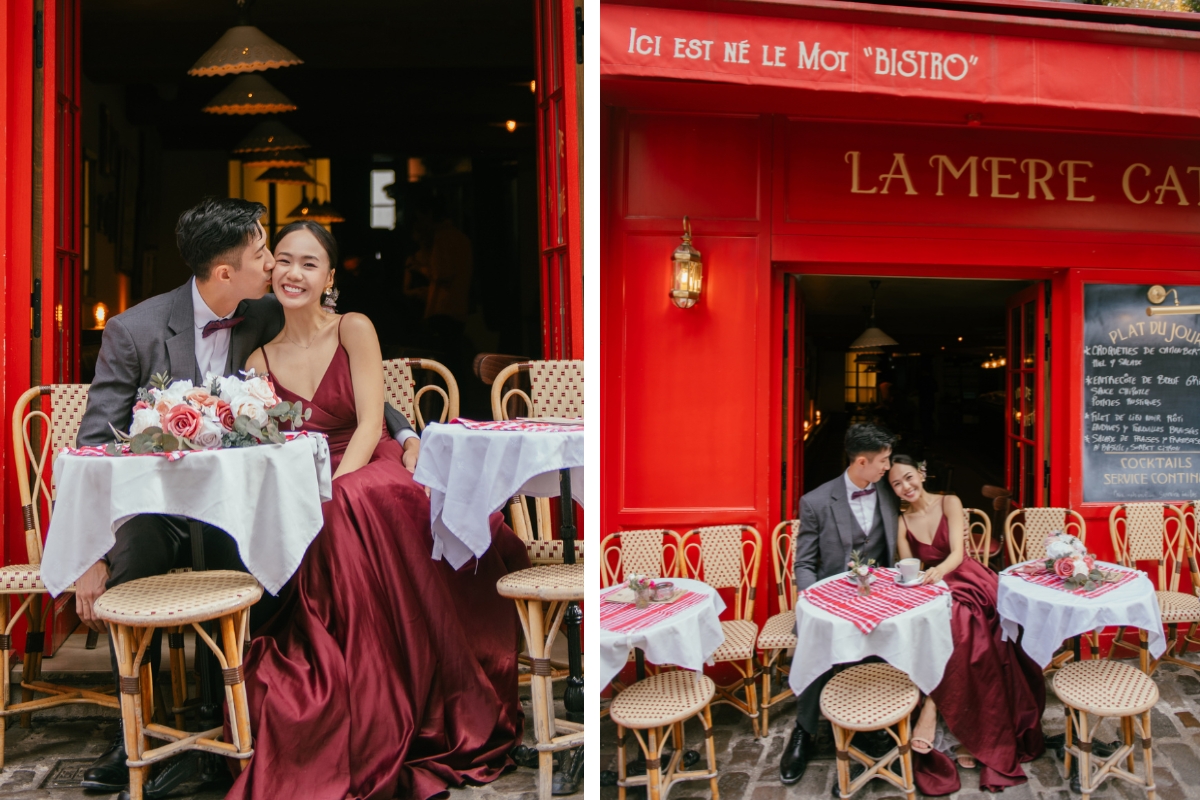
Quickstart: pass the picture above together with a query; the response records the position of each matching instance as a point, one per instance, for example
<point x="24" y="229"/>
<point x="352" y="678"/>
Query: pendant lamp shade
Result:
<point x="290" y="175"/>
<point x="268" y="136"/>
<point x="249" y="94"/>
<point x="304" y="209"/>
<point x="326" y="213"/>
<point x="275" y="158"/>
<point x="243" y="48"/>
<point x="871" y="339"/>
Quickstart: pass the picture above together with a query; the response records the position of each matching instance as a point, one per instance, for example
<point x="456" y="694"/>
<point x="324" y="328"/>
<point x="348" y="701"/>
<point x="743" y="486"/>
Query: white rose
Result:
<point x="145" y="418"/>
<point x="1078" y="546"/>
<point x="864" y="570"/>
<point x="210" y="433"/>
<point x="1081" y="567"/>
<point x="260" y="389"/>
<point x="174" y="393"/>
<point x="231" y="387"/>
<point x="1059" y="549"/>
<point x="250" y="407"/>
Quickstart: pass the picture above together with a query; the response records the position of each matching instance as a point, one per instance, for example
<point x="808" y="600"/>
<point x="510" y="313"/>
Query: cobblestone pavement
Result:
<point x="749" y="766"/>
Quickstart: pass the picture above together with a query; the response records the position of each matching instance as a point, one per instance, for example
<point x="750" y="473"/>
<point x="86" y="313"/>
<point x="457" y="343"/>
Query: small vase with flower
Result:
<point x="862" y="569"/>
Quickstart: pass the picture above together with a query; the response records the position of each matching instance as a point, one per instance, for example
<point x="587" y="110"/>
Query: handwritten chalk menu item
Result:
<point x="1141" y="406"/>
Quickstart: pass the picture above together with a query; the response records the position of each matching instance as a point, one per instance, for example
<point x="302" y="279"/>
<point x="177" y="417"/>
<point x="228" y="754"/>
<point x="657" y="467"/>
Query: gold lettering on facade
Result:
<point x="1197" y="171"/>
<point x="1035" y="180"/>
<point x="1125" y="183"/>
<point x="998" y="176"/>
<point x="897" y="161"/>
<point x="1173" y="179"/>
<point x="1073" y="179"/>
<point x="945" y="162"/>
<point x="852" y="157"/>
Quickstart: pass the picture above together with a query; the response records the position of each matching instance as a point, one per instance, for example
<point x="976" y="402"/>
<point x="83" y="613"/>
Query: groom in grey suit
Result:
<point x="210" y="324"/>
<point x="854" y="511"/>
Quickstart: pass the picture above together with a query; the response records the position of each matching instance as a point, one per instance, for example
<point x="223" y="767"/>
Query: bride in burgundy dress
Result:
<point x="992" y="694"/>
<point x="385" y="673"/>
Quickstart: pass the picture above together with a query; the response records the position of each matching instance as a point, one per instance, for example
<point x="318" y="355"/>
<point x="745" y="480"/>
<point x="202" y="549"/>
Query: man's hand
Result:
<point x="412" y="451"/>
<point x="88" y="589"/>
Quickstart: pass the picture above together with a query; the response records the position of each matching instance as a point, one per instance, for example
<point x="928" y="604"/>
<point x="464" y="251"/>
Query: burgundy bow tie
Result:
<point x="219" y="325"/>
<point x="862" y="493"/>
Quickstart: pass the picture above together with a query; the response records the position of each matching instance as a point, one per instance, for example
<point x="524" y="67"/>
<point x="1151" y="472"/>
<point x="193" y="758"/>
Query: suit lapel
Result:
<point x="242" y="341"/>
<point x="843" y="516"/>
<point x="891" y="513"/>
<point x="181" y="346"/>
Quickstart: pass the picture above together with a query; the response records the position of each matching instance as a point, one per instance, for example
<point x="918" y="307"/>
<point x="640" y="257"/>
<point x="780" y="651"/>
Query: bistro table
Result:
<point x="1049" y="616"/>
<point x="917" y="641"/>
<point x="686" y="638"/>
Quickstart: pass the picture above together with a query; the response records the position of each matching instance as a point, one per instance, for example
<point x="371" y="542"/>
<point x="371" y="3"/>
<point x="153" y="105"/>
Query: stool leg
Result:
<point x="239" y="712"/>
<point x="654" y="763"/>
<point x="1067" y="754"/>
<point x="621" y="769"/>
<point x="1144" y="651"/>
<point x="1147" y="758"/>
<point x="752" y="697"/>
<point x="543" y="699"/>
<point x="765" y="711"/>
<point x="710" y="750"/>
<point x="1127" y="736"/>
<point x="178" y="672"/>
<point x="1085" y="756"/>
<point x="906" y="764"/>
<point x="4" y="678"/>
<point x="130" y="702"/>
<point x="841" y="744"/>
<point x="29" y="671"/>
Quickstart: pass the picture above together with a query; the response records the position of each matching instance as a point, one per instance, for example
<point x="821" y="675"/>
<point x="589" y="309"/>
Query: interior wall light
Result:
<point x="687" y="271"/>
<point x="100" y="314"/>
<point x="1157" y="294"/>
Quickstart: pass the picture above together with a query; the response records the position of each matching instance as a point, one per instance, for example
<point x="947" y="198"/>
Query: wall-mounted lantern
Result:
<point x="1157" y="294"/>
<point x="687" y="271"/>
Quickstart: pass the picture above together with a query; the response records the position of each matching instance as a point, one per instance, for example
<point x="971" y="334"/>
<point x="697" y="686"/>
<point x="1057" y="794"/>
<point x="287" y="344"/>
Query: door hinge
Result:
<point x="38" y="39"/>
<point x="578" y="35"/>
<point x="35" y="308"/>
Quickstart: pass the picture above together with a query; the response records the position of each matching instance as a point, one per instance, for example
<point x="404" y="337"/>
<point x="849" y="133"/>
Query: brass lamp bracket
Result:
<point x="1158" y="294"/>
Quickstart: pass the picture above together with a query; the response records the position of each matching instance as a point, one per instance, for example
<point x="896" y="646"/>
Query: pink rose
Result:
<point x="200" y="397"/>
<point x="182" y="420"/>
<point x="225" y="415"/>
<point x="162" y="406"/>
<point x="140" y="404"/>
<point x="1064" y="567"/>
<point x="1090" y="561"/>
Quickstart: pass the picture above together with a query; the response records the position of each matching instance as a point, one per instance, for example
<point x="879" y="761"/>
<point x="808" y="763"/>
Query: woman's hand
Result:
<point x="933" y="575"/>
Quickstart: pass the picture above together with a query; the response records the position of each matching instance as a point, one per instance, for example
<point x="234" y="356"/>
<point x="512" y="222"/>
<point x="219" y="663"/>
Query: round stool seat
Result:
<point x="662" y="699"/>
<point x="868" y="697"/>
<point x="22" y="579"/>
<point x="178" y="598"/>
<point x="1105" y="688"/>
<point x="549" y="582"/>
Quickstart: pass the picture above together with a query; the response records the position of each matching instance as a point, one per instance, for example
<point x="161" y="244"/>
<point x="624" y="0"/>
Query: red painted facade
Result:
<point x="1074" y="143"/>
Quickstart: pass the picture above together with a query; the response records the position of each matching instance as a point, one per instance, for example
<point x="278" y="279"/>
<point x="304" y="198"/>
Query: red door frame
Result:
<point x="1015" y="367"/>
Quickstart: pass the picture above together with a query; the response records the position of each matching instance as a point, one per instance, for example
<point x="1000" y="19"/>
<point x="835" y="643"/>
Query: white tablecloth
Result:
<point x="268" y="498"/>
<point x="918" y="642"/>
<point x="472" y="473"/>
<point x="687" y="639"/>
<point x="1051" y="616"/>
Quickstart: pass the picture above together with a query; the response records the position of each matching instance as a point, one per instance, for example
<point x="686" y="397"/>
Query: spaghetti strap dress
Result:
<point x="386" y="673"/>
<point x="992" y="694"/>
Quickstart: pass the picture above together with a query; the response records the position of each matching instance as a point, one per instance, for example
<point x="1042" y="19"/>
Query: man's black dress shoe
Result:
<point x="856" y="769"/>
<point x="795" y="757"/>
<point x="108" y="772"/>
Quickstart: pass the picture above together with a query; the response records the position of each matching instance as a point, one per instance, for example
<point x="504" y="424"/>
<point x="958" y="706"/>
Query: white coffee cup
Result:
<point x="910" y="568"/>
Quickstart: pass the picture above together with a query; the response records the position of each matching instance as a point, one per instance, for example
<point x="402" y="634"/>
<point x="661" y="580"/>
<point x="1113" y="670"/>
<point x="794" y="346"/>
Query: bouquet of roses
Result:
<point x="224" y="412"/>
<point x="1067" y="557"/>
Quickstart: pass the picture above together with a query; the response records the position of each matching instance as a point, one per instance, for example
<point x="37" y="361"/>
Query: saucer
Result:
<point x="850" y="577"/>
<point x="914" y="582"/>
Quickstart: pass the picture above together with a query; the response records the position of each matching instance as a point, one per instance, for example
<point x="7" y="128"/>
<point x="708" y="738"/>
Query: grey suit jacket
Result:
<point x="158" y="336"/>
<point x="828" y="527"/>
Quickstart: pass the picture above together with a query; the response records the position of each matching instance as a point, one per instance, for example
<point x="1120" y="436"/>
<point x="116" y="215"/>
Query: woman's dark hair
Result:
<point x="901" y="458"/>
<point x="324" y="238"/>
<point x="867" y="438"/>
<point x="213" y="229"/>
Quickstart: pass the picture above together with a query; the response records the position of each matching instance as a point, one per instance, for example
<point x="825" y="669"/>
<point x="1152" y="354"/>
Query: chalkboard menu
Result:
<point x="1141" y="389"/>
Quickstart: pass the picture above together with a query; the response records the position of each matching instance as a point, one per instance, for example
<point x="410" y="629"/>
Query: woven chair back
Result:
<point x="726" y="557"/>
<point x="653" y="553"/>
<point x="783" y="562"/>
<point x="977" y="534"/>
<point x="1026" y="529"/>
<point x="1151" y="532"/>
<point x="34" y="451"/>
<point x="555" y="390"/>
<point x="400" y="389"/>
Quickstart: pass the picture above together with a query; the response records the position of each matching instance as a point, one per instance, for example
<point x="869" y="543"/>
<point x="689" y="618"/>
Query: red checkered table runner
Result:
<point x="1053" y="581"/>
<point x="627" y="617"/>
<point x="174" y="455"/>
<point x="516" y="425"/>
<point x="840" y="597"/>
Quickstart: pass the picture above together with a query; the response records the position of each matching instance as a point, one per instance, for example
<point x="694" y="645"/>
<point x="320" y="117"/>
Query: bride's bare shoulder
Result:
<point x="358" y="332"/>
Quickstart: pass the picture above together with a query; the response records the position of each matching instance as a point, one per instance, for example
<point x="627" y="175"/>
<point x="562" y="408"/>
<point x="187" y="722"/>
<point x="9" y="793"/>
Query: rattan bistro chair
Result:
<point x="23" y="582"/>
<point x="400" y="389"/>
<point x="727" y="557"/>
<point x="1026" y="529"/>
<point x="977" y="535"/>
<point x="1157" y="532"/>
<point x="778" y="635"/>
<point x="654" y="553"/>
<point x="133" y="611"/>
<point x="555" y="390"/>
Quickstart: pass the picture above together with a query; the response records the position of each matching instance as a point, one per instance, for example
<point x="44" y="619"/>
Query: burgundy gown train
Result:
<point x="386" y="674"/>
<point x="992" y="694"/>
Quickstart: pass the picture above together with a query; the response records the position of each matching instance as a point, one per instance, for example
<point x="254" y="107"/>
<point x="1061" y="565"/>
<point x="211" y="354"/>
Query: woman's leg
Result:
<point x="925" y="730"/>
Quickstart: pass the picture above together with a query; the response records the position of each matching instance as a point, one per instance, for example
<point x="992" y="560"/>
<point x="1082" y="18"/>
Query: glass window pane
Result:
<point x="1014" y="338"/>
<point x="1028" y="481"/>
<point x="1029" y="361"/>
<point x="383" y="217"/>
<point x="1015" y="408"/>
<point x="380" y="180"/>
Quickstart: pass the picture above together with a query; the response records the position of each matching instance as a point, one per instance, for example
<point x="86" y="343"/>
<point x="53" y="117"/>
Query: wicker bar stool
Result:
<point x="555" y="585"/>
<point x="871" y="697"/>
<point x="659" y="705"/>
<point x="1107" y="689"/>
<point x="133" y="611"/>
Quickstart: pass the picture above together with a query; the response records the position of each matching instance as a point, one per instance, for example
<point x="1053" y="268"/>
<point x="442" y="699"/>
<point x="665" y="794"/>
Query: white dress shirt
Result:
<point x="211" y="353"/>
<point x="862" y="507"/>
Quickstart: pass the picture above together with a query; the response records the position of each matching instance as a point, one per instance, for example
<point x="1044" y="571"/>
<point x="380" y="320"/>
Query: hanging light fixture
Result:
<point x="275" y="158"/>
<point x="324" y="212"/>
<point x="249" y="94"/>
<point x="305" y="207"/>
<point x="243" y="48"/>
<point x="289" y="175"/>
<point x="873" y="338"/>
<point x="687" y="271"/>
<point x="269" y="136"/>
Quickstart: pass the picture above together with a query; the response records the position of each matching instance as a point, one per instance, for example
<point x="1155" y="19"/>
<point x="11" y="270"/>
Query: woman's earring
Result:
<point x="329" y="301"/>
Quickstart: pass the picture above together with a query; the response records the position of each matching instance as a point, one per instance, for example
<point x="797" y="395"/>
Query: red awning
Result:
<point x="934" y="53"/>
